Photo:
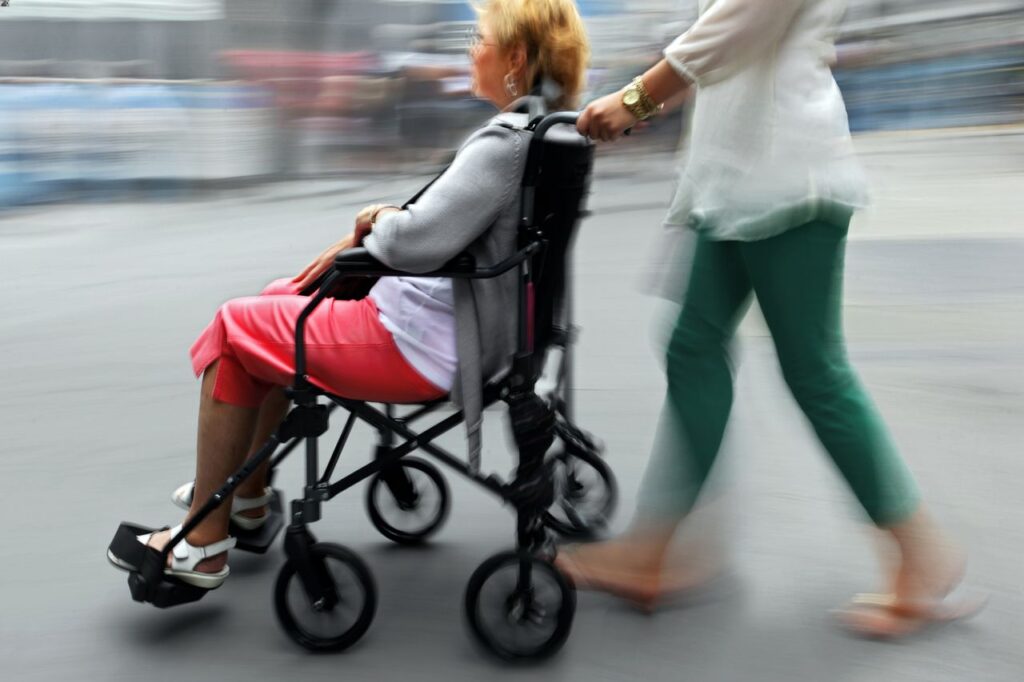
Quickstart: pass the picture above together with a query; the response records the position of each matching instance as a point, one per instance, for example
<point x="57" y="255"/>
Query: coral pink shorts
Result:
<point x="348" y="350"/>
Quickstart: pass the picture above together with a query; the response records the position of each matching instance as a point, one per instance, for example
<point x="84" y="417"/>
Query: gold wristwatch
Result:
<point x="638" y="102"/>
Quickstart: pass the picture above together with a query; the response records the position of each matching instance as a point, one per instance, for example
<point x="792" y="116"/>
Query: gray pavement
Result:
<point x="101" y="301"/>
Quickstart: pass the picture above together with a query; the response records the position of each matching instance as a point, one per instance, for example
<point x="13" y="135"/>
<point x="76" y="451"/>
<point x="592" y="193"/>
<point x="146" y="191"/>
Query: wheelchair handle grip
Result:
<point x="554" y="119"/>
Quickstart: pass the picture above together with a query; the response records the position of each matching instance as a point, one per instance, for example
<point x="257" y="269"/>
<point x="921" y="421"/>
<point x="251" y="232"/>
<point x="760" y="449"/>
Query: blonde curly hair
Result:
<point x="555" y="39"/>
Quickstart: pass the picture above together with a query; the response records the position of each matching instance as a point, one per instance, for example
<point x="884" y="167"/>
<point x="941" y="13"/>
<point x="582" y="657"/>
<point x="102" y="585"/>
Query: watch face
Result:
<point x="630" y="97"/>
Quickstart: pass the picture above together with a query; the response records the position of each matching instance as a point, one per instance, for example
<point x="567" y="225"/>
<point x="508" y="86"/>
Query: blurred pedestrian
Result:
<point x="769" y="183"/>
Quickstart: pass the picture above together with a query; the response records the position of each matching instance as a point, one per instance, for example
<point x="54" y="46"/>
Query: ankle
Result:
<point x="201" y="536"/>
<point x="250" y="490"/>
<point x="646" y="544"/>
<point x="921" y="541"/>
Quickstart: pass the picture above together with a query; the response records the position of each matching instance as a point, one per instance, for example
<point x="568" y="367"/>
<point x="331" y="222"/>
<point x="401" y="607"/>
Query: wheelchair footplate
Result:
<point x="146" y="578"/>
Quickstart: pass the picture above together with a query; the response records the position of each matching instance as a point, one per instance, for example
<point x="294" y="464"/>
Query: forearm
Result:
<point x="665" y="85"/>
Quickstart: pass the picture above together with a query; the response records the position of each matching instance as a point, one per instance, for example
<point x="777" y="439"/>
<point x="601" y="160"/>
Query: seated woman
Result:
<point x="398" y="344"/>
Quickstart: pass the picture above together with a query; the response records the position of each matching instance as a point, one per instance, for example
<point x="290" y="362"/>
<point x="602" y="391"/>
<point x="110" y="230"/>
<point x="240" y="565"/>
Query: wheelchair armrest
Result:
<point x="463" y="266"/>
<point x="464" y="263"/>
<point x="359" y="263"/>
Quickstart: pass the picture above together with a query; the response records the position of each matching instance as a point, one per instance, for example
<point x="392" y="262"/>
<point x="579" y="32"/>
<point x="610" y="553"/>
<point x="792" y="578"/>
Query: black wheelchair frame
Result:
<point x="536" y="423"/>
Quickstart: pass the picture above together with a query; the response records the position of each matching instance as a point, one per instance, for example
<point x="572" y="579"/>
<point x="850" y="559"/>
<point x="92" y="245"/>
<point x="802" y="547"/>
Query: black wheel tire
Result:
<point x="416" y="535"/>
<point x="564" y="517"/>
<point x="557" y="613"/>
<point x="289" y="590"/>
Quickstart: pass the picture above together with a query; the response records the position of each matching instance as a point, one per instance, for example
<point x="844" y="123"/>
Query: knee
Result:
<point x="280" y="287"/>
<point x="814" y="377"/>
<point x="228" y="311"/>
<point x="693" y="340"/>
<point x="236" y="315"/>
<point x="697" y="358"/>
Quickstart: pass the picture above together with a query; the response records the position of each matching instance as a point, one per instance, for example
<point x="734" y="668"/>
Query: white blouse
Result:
<point x="420" y="314"/>
<point x="769" y="147"/>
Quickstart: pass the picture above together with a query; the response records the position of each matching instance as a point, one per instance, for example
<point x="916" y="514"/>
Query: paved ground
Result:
<point x="100" y="302"/>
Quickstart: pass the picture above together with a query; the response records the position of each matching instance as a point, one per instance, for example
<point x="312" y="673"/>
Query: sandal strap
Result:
<point x="186" y="492"/>
<point x="240" y="504"/>
<point x="187" y="556"/>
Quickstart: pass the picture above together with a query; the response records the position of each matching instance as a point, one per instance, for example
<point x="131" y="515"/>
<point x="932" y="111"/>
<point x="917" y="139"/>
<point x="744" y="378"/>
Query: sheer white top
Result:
<point x="770" y="145"/>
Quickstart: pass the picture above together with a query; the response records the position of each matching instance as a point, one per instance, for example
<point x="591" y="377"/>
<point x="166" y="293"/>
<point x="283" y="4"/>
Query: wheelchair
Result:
<point x="517" y="605"/>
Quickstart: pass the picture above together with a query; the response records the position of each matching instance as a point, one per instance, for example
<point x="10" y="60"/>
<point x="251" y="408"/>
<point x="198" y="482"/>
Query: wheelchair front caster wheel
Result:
<point x="332" y="618"/>
<point x="585" y="495"/>
<point x="519" y="607"/>
<point x="408" y="502"/>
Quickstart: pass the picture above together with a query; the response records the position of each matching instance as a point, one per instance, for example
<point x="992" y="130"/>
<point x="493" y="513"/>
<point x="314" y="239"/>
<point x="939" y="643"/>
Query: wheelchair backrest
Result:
<point x="555" y="186"/>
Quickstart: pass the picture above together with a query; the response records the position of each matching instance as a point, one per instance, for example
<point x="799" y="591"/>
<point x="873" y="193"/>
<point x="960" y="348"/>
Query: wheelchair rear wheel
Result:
<point x="408" y="502"/>
<point x="327" y="622"/>
<point x="519" y="607"/>
<point x="585" y="495"/>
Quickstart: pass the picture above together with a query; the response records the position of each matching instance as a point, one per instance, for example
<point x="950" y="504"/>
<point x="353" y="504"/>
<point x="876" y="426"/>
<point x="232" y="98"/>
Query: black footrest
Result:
<point x="259" y="541"/>
<point x="166" y="593"/>
<point x="125" y="551"/>
<point x="140" y="561"/>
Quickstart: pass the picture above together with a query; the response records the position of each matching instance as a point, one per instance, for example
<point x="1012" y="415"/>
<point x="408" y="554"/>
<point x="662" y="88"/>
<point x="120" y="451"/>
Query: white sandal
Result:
<point x="183" y="498"/>
<point x="185" y="558"/>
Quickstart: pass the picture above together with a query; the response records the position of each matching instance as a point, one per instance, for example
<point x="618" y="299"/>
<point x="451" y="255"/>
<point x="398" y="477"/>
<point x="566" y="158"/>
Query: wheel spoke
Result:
<point x="417" y="521"/>
<point x="313" y="625"/>
<point x="515" y="619"/>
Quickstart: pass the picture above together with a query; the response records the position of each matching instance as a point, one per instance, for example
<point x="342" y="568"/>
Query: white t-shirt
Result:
<point x="420" y="314"/>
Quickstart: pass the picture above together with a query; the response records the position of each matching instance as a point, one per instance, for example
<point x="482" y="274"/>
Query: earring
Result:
<point x="510" y="85"/>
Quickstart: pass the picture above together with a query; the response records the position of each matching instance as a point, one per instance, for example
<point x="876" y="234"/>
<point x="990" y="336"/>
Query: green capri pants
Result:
<point x="797" y="278"/>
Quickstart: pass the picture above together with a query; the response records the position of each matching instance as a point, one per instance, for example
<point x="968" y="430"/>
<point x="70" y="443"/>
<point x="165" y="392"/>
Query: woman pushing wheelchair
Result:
<point x="412" y="339"/>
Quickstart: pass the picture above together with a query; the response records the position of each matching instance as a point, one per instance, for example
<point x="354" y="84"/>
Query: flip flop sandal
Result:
<point x="863" y="614"/>
<point x="183" y="498"/>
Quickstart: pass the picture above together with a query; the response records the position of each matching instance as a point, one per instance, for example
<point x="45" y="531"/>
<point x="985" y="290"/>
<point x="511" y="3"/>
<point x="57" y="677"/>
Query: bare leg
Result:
<point x="225" y="432"/>
<point x="930" y="564"/>
<point x="272" y="411"/>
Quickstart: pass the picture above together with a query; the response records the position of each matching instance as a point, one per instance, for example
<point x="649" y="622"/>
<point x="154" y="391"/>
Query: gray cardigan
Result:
<point x="474" y="207"/>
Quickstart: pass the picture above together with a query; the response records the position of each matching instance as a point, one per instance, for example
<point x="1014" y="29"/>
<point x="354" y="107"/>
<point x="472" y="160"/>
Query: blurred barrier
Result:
<point x="229" y="131"/>
<point x="290" y="103"/>
<point x="145" y="127"/>
<point x="57" y="136"/>
<point x="978" y="88"/>
<point x="939" y="63"/>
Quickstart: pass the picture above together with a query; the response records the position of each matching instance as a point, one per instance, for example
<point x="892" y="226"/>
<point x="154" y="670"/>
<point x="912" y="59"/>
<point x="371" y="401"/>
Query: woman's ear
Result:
<point x="517" y="60"/>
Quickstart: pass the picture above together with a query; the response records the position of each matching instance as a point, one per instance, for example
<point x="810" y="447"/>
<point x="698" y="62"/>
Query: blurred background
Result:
<point x="101" y="96"/>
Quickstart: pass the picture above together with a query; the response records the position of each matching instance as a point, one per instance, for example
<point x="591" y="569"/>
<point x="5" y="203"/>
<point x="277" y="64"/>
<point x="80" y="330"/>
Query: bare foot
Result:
<point x="883" y="616"/>
<point x="930" y="575"/>
<point x="624" y="570"/>
<point x="930" y="567"/>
